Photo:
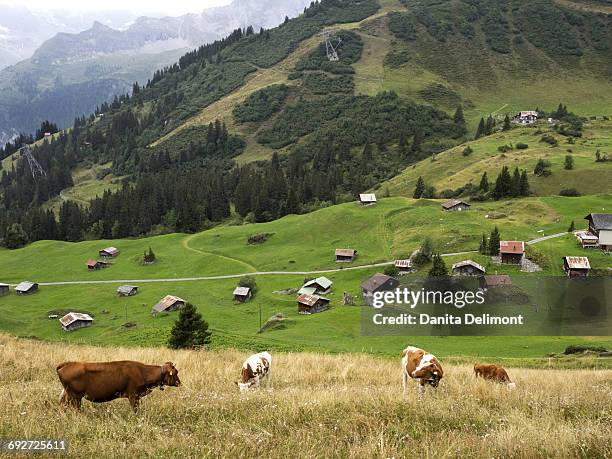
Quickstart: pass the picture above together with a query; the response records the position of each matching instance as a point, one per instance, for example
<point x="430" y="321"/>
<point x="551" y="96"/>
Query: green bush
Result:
<point x="260" y="105"/>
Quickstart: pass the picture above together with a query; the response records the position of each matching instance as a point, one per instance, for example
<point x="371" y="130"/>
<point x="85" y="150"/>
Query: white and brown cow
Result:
<point x="493" y="372"/>
<point x="421" y="366"/>
<point x="256" y="369"/>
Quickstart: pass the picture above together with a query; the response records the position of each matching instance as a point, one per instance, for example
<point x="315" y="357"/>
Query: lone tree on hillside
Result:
<point x="484" y="249"/>
<point x="569" y="162"/>
<point x="494" y="242"/>
<point x="480" y="131"/>
<point x="149" y="256"/>
<point x="419" y="188"/>
<point x="425" y="253"/>
<point x="190" y="331"/>
<point x="572" y="227"/>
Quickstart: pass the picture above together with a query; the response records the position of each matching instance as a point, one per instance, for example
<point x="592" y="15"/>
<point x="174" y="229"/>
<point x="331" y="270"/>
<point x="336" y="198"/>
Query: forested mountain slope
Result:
<point x="254" y="94"/>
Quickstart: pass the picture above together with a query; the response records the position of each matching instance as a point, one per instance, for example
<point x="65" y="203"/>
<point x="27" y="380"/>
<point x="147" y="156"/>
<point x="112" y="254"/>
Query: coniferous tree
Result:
<point x="494" y="242"/>
<point x="515" y="187"/>
<point x="417" y="141"/>
<point x="483" y="248"/>
<point x="190" y="331"/>
<point x="419" y="189"/>
<point x="484" y="183"/>
<point x="490" y="125"/>
<point x="569" y="162"/>
<point x="507" y="126"/>
<point x="481" y="130"/>
<point x="524" y="186"/>
<point x="572" y="227"/>
<point x="439" y="268"/>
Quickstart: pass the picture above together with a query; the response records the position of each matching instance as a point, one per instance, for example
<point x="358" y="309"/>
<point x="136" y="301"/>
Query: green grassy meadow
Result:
<point x="391" y="229"/>
<point x="451" y="169"/>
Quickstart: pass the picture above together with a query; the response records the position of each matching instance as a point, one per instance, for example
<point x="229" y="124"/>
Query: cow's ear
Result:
<point x="236" y="382"/>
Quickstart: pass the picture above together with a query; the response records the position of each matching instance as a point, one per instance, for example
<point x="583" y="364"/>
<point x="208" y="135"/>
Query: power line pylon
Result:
<point x="35" y="167"/>
<point x="332" y="53"/>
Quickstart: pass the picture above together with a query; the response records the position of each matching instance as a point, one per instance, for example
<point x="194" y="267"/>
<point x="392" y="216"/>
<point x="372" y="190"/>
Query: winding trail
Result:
<point x="254" y="272"/>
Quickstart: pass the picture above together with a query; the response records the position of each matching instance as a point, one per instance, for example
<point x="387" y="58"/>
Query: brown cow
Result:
<point x="105" y="381"/>
<point x="420" y="366"/>
<point x="492" y="372"/>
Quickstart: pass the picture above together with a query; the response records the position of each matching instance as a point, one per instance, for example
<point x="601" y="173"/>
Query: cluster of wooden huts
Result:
<point x="104" y="259"/>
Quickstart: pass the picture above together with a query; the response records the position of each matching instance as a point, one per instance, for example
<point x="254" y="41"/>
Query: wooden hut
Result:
<point x="319" y="286"/>
<point x="403" y="266"/>
<point x="367" y="199"/>
<point x="311" y="304"/>
<point x="109" y="252"/>
<point x="487" y="282"/>
<point x="95" y="265"/>
<point x="75" y="320"/>
<point x="4" y="289"/>
<point x="576" y="266"/>
<point x="26" y="288"/>
<point x="345" y="255"/>
<point x="377" y="283"/>
<point x="587" y="240"/>
<point x="127" y="290"/>
<point x="468" y="268"/>
<point x="600" y="225"/>
<point x="168" y="303"/>
<point x="455" y="205"/>
<point x="242" y="294"/>
<point x="511" y="252"/>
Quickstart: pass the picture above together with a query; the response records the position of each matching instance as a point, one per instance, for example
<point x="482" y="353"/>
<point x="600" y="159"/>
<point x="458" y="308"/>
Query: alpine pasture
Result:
<point x="349" y="405"/>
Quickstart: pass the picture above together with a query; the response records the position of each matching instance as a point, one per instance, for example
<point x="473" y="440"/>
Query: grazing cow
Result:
<point x="420" y="366"/>
<point x="493" y="373"/>
<point x="105" y="381"/>
<point x="256" y="369"/>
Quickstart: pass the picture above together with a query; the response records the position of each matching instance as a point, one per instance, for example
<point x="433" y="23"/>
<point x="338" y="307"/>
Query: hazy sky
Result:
<point x="171" y="8"/>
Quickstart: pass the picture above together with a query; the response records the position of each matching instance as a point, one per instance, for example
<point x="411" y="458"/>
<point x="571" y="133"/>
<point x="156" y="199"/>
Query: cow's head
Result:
<point x="430" y="373"/>
<point x="170" y="375"/>
<point x="245" y="386"/>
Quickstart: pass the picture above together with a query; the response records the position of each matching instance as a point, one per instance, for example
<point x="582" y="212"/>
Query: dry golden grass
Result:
<point x="320" y="406"/>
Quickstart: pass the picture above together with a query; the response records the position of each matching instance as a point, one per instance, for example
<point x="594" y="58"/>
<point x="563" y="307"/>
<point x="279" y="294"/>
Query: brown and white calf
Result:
<point x="421" y="366"/>
<point x="493" y="372"/>
<point x="256" y="369"/>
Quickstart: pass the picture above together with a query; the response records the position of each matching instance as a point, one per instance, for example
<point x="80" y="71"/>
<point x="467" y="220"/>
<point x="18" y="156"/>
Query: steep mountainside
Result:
<point x="100" y="62"/>
<point x="275" y="94"/>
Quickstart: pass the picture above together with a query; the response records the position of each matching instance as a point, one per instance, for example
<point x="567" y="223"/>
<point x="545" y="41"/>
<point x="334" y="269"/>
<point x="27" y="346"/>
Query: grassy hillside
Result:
<point x="392" y="229"/>
<point x="452" y="169"/>
<point x="345" y="405"/>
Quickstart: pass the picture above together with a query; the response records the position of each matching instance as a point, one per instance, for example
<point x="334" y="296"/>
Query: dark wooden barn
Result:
<point x="600" y="225"/>
<point x="75" y="320"/>
<point x="95" y="265"/>
<point x="26" y="288"/>
<point x="311" y="304"/>
<point x="345" y="255"/>
<point x="168" y="303"/>
<point x="377" y="283"/>
<point x="127" y="290"/>
<point x="511" y="252"/>
<point x="576" y="266"/>
<point x="468" y="268"/>
<point x="242" y="294"/>
<point x="455" y="205"/>
<point x="109" y="252"/>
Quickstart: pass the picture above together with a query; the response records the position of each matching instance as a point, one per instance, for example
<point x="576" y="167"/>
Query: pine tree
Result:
<point x="419" y="189"/>
<point x="484" y="183"/>
<point x="490" y="124"/>
<point x="439" y="268"/>
<point x="524" y="187"/>
<point x="507" y="126"/>
<point x="459" y="118"/>
<point x="572" y="227"/>
<point x="484" y="249"/>
<point x="190" y="330"/>
<point x="515" y="189"/>
<point x="494" y="242"/>
<point x="480" y="131"/>
<point x="569" y="162"/>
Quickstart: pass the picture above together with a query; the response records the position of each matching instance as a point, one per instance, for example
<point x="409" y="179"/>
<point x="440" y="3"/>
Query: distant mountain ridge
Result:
<point x="101" y="61"/>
